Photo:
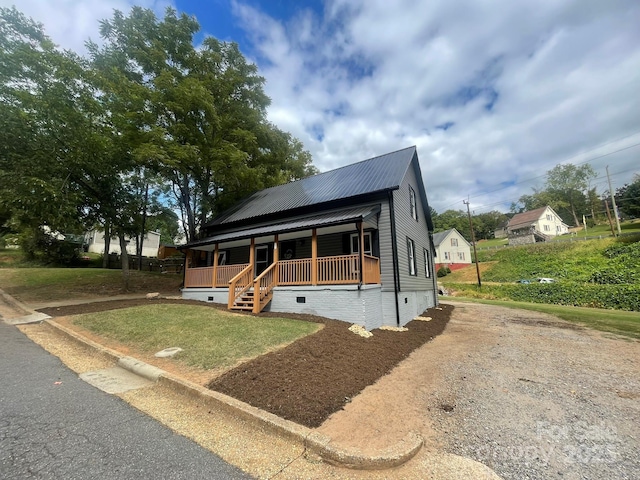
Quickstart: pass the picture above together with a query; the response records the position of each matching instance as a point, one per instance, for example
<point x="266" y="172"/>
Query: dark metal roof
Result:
<point x="374" y="175"/>
<point x="324" y="220"/>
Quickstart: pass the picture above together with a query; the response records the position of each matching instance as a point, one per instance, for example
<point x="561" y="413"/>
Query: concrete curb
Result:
<point x="316" y="444"/>
<point x="15" y="304"/>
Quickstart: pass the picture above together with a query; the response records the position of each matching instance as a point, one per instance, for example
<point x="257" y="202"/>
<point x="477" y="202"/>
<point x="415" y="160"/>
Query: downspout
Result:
<point x="394" y="254"/>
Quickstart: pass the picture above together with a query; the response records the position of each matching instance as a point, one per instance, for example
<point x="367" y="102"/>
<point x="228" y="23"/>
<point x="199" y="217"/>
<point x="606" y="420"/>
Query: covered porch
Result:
<point x="338" y="249"/>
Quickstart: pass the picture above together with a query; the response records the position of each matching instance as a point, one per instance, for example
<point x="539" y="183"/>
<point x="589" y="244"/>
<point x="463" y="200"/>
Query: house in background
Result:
<point x="501" y="231"/>
<point x="537" y="225"/>
<point x="452" y="250"/>
<point x="95" y="241"/>
<point x="350" y="244"/>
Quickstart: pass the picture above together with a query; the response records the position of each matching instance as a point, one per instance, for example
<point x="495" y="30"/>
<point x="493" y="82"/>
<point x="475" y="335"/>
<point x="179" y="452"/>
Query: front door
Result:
<point x="355" y="243"/>
<point x="262" y="258"/>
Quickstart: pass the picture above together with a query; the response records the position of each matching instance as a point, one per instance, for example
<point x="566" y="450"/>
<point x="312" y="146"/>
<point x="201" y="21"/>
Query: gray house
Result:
<point x="353" y="244"/>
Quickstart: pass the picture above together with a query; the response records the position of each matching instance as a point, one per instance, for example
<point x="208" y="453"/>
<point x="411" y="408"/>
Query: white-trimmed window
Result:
<point x="546" y="228"/>
<point x="411" y="252"/>
<point x="427" y="270"/>
<point x="461" y="256"/>
<point x="412" y="201"/>
<point x="454" y="242"/>
<point x="446" y="256"/>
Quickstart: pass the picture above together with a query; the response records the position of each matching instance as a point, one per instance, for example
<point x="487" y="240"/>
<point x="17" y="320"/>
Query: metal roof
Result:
<point x="368" y="176"/>
<point x="324" y="220"/>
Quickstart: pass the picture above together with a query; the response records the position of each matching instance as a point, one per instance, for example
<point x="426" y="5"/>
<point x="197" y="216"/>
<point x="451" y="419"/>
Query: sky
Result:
<point x="493" y="93"/>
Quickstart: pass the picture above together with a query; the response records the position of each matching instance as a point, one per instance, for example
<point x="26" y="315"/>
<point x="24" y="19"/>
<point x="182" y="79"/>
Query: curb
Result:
<point x="316" y="444"/>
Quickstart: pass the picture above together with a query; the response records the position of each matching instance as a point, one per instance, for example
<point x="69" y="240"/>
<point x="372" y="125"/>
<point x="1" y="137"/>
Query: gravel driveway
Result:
<point x="532" y="396"/>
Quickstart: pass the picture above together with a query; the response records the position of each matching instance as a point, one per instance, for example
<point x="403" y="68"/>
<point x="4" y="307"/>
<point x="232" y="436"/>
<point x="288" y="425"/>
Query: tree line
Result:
<point x="145" y="125"/>
<point x="567" y="190"/>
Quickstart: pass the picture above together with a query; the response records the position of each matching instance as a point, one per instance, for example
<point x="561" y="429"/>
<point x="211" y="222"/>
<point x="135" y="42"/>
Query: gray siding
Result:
<point x="416" y="230"/>
<point x="386" y="248"/>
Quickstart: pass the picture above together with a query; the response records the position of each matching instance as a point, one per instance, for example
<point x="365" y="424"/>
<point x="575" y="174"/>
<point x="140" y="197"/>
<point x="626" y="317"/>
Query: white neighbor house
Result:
<point x="95" y="240"/>
<point x="537" y="225"/>
<point x="452" y="250"/>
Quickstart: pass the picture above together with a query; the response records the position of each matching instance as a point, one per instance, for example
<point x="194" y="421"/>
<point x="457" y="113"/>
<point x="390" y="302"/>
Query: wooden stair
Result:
<point x="244" y="302"/>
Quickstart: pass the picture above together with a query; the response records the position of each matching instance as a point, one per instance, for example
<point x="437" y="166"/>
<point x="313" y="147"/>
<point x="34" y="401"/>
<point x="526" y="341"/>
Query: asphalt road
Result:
<point x="54" y="425"/>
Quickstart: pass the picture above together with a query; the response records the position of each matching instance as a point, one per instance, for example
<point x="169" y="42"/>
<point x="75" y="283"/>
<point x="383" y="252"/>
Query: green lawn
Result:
<point x="50" y="284"/>
<point x="210" y="337"/>
<point x="612" y="321"/>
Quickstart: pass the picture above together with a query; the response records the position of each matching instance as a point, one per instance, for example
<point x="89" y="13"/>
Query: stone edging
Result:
<point x="316" y="444"/>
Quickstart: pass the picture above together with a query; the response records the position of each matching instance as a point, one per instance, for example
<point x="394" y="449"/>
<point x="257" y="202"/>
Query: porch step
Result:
<point x="245" y="302"/>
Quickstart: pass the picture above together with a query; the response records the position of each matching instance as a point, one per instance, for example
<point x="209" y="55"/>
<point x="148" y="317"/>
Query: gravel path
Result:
<point x="534" y="397"/>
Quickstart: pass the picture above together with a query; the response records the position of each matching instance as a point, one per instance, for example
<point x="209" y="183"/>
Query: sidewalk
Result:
<point x="263" y="444"/>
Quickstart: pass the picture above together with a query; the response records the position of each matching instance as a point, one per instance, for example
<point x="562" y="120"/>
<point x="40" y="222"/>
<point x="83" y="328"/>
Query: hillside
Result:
<point x="598" y="273"/>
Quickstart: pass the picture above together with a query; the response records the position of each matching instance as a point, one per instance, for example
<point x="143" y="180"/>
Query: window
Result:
<point x="454" y="242"/>
<point x="549" y="217"/>
<point x="355" y="244"/>
<point x="411" y="249"/>
<point x="412" y="201"/>
<point x="426" y="263"/>
<point x="222" y="257"/>
<point x="546" y="228"/>
<point x="446" y="256"/>
<point x="460" y="255"/>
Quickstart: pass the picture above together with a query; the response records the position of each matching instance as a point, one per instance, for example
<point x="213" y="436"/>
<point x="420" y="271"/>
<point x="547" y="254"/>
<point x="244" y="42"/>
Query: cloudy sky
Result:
<point x="492" y="92"/>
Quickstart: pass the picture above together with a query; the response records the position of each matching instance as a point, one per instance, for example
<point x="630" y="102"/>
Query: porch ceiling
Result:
<point x="333" y="222"/>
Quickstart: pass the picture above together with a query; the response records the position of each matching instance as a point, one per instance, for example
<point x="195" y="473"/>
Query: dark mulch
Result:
<point x="315" y="376"/>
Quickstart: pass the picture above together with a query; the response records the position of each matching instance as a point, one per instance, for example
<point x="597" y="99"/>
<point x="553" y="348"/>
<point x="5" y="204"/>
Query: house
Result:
<point x="95" y="241"/>
<point x="501" y="230"/>
<point x="452" y="250"/>
<point x="537" y="225"/>
<point x="351" y="244"/>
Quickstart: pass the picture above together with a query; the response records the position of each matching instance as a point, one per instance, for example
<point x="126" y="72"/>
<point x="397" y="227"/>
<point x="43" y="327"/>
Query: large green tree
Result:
<point x="628" y="197"/>
<point x="566" y="190"/>
<point x="197" y="116"/>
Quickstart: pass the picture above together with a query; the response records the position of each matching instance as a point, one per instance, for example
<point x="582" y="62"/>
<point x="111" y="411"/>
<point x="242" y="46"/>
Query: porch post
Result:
<point x="361" y="235"/>
<point x="276" y="259"/>
<point x="252" y="253"/>
<point x="314" y="257"/>
<point x="187" y="256"/>
<point x="215" y="267"/>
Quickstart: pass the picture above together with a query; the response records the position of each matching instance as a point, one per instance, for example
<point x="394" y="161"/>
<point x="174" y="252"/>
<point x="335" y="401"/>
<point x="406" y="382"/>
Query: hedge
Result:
<point x="618" y="297"/>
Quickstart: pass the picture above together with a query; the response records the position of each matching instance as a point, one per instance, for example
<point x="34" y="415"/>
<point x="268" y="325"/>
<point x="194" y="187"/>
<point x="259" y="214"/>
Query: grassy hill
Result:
<point x="596" y="273"/>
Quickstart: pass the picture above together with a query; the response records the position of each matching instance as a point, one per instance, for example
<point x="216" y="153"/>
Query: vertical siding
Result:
<point x="407" y="226"/>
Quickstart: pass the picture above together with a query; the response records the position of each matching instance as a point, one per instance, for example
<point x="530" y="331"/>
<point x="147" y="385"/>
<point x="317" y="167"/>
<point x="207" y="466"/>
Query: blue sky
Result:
<point x="492" y="93"/>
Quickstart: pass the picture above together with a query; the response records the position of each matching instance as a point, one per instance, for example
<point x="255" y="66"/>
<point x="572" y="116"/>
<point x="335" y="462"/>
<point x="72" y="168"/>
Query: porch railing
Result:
<point x="336" y="270"/>
<point x="198" y="277"/>
<point x="371" y="269"/>
<point x="225" y="273"/>
<point x="263" y="288"/>
<point x="294" y="272"/>
<point x="240" y="284"/>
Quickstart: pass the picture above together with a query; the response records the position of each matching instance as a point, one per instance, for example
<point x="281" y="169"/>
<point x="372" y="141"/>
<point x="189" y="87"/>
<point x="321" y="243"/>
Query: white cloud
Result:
<point x="375" y="76"/>
<point x="70" y="23"/>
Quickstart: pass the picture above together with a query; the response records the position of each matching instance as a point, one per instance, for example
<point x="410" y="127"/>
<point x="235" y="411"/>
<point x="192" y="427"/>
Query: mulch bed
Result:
<point x="315" y="376"/>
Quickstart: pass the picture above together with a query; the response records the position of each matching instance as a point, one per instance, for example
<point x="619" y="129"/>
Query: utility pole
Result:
<point x="606" y="204"/>
<point x="473" y="241"/>
<point x="613" y="202"/>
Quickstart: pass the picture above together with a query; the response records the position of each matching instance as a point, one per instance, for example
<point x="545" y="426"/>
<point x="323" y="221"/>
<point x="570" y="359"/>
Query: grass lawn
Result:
<point x="612" y="321"/>
<point x="50" y="284"/>
<point x="210" y="337"/>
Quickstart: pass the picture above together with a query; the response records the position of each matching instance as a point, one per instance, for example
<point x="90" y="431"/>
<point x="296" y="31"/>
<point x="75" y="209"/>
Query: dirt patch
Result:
<point x="306" y="381"/>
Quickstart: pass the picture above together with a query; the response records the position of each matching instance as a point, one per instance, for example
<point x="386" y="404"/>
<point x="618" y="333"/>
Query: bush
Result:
<point x="47" y="250"/>
<point x="443" y="271"/>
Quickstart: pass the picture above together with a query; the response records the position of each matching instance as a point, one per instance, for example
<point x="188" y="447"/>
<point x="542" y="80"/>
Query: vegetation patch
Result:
<point x="209" y="337"/>
<point x="50" y="284"/>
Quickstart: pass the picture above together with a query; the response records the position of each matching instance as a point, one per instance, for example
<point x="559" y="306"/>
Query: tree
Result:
<point x="568" y="183"/>
<point x="453" y="219"/>
<point x="628" y="197"/>
<point x="195" y="116"/>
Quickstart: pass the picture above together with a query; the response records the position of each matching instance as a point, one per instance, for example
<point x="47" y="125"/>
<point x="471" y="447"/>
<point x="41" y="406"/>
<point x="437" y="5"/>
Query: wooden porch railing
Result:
<point x="294" y="272"/>
<point x="198" y="277"/>
<point x="239" y="284"/>
<point x="371" y="269"/>
<point x="336" y="270"/>
<point x="226" y="272"/>
<point x="263" y="287"/>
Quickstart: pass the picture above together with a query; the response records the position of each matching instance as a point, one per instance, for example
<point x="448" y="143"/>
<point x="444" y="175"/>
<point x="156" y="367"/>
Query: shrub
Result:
<point x="443" y="271"/>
